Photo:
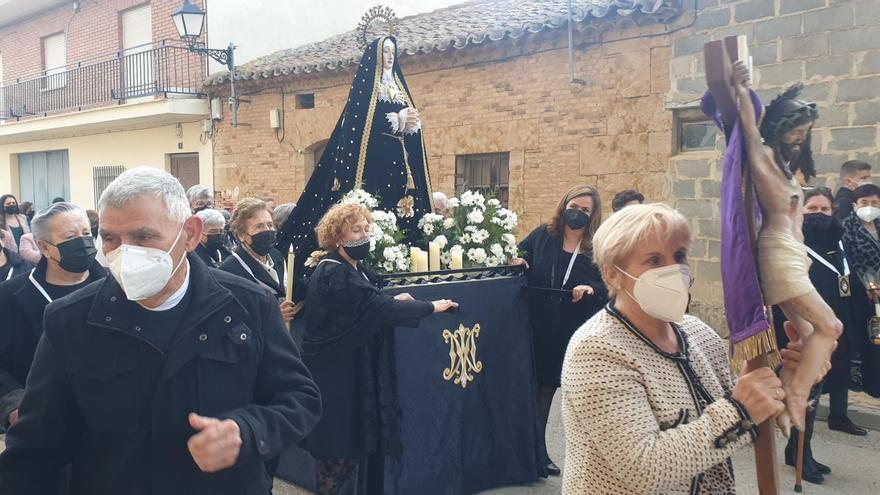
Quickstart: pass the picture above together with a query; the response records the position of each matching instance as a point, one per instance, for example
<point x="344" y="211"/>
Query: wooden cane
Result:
<point x="799" y="470"/>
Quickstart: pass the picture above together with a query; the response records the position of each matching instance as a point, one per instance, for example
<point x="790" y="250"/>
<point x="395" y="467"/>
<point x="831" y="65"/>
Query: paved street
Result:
<point x="855" y="460"/>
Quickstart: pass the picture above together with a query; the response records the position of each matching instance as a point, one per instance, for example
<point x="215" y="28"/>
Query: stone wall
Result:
<point x="832" y="46"/>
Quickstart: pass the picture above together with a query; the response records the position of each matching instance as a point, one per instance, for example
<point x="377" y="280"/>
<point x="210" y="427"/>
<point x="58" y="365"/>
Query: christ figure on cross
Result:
<point x="775" y="153"/>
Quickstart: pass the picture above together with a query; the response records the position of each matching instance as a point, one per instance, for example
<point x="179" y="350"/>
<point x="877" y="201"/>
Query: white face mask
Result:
<point x="868" y="213"/>
<point x="142" y="272"/>
<point x="662" y="293"/>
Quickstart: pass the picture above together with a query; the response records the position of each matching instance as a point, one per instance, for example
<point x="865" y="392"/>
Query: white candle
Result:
<point x="457" y="262"/>
<point x="289" y="294"/>
<point x="434" y="260"/>
<point x="413" y="258"/>
<point x="423" y="261"/>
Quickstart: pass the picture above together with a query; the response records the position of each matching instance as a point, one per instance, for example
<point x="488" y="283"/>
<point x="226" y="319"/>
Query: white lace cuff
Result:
<point x="394" y="119"/>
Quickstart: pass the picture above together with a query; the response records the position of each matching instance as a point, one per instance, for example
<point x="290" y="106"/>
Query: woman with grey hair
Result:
<point x="648" y="402"/>
<point x="200" y="198"/>
<point x="281" y="212"/>
<point x="211" y="249"/>
<point x="64" y="238"/>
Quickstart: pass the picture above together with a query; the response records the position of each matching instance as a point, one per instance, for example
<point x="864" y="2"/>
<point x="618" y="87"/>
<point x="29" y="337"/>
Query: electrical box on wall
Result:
<point x="216" y="108"/>
<point x="275" y="118"/>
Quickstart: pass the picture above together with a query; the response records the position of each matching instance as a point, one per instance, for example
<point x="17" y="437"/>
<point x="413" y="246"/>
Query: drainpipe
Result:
<point x="571" y="78"/>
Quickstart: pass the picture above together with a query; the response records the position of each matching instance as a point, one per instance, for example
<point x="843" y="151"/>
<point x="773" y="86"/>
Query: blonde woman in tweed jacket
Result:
<point x="649" y="405"/>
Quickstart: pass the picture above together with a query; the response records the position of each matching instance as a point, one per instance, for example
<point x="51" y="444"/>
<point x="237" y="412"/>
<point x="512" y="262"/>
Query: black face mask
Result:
<point x="215" y="241"/>
<point x="12" y="210"/>
<point x="77" y="254"/>
<point x="263" y="242"/>
<point x="576" y="219"/>
<point x="821" y="229"/>
<point x="359" y="249"/>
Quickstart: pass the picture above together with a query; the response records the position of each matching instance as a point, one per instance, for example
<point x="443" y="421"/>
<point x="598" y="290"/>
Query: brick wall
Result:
<point x="92" y="33"/>
<point x="832" y="46"/>
<point x="515" y="97"/>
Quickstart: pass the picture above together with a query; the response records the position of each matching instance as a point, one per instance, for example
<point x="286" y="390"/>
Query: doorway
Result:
<point x="185" y="166"/>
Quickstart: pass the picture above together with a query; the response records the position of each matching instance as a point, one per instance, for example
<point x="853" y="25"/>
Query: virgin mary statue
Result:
<point x="377" y="146"/>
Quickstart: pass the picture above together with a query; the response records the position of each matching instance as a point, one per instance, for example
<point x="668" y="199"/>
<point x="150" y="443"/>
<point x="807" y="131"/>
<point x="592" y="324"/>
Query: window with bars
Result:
<point x="103" y="176"/>
<point x="485" y="172"/>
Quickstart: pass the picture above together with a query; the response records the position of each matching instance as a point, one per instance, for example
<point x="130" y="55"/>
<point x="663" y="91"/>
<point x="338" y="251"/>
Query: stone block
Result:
<point x="780" y="74"/>
<point x="854" y="40"/>
<point x="696" y="208"/>
<point x="682" y="67"/>
<point x="816" y="92"/>
<point x="702" y="4"/>
<point x="832" y="116"/>
<point x="829" y="19"/>
<point x="714" y="250"/>
<point x="853" y="138"/>
<point x="689" y="44"/>
<point x="683" y="189"/>
<point x="870" y="64"/>
<point x="840" y="65"/>
<point x="618" y="153"/>
<point x="827" y="163"/>
<point x="698" y="249"/>
<point x="638" y="80"/>
<point x="709" y="228"/>
<point x="709" y="270"/>
<point x="813" y="45"/>
<point x="765" y="53"/>
<point x="865" y="88"/>
<point x="867" y="12"/>
<point x="783" y="27"/>
<point x="696" y="169"/>
<point x="753" y="9"/>
<point x="710" y="19"/>
<point x="789" y="6"/>
<point x="872" y="158"/>
<point x="710" y="189"/>
<point x="747" y="29"/>
<point x="867" y="113"/>
<point x="696" y="84"/>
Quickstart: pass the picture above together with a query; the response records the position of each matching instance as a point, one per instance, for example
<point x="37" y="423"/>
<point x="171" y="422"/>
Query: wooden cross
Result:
<point x="719" y="56"/>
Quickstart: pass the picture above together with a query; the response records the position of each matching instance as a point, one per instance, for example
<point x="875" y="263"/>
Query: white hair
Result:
<point x="40" y="222"/>
<point x="211" y="217"/>
<point x="198" y="192"/>
<point x="441" y="198"/>
<point x="281" y="212"/>
<point x="147" y="181"/>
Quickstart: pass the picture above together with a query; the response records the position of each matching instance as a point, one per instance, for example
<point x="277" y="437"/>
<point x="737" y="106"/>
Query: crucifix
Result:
<point x="764" y="162"/>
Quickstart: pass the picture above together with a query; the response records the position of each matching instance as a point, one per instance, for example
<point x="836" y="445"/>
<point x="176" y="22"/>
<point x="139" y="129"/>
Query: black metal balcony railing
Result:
<point x="144" y="72"/>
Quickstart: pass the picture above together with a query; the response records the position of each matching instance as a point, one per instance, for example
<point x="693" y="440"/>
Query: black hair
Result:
<point x="818" y="191"/>
<point x="783" y="114"/>
<point x="866" y="191"/>
<point x="623" y="197"/>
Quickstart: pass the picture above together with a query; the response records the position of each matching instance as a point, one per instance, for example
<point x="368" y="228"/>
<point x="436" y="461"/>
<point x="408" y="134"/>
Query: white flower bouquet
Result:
<point x="481" y="228"/>
<point x="387" y="255"/>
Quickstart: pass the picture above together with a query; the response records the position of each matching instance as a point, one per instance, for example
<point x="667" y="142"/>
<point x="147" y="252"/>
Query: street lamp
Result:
<point x="189" y="20"/>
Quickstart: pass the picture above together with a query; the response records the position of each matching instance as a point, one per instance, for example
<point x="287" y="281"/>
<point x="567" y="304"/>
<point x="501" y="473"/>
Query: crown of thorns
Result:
<point x="786" y="112"/>
<point x="377" y="12"/>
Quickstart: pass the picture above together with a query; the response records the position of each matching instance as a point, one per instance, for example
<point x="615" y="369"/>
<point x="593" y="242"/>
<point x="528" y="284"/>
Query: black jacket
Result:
<point x="345" y="349"/>
<point x="21" y="311"/>
<point x="843" y="203"/>
<point x="255" y="271"/>
<point x="105" y="402"/>
<point x="554" y="318"/>
<point x="19" y="266"/>
<point x="212" y="259"/>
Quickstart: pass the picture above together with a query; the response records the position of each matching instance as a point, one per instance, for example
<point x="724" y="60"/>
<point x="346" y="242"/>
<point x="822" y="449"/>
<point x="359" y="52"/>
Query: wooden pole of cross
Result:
<point x="719" y="56"/>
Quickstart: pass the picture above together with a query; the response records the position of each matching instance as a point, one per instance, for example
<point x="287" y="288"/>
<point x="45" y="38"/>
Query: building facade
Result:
<point x="502" y="108"/>
<point x="91" y="88"/>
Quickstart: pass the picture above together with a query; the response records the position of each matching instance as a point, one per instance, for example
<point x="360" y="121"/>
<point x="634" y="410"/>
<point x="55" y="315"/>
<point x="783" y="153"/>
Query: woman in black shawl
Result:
<point x="377" y="146"/>
<point x="566" y="288"/>
<point x="347" y="353"/>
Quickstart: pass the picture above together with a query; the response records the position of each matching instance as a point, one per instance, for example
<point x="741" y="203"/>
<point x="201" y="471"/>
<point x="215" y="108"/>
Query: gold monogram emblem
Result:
<point x="462" y="355"/>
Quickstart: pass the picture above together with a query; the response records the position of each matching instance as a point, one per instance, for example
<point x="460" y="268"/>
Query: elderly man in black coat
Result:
<point x="64" y="237"/>
<point x="166" y="378"/>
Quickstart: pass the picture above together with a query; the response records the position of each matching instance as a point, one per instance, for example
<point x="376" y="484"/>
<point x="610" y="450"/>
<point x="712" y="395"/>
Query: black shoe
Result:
<point x="822" y="468"/>
<point x="553" y="469"/>
<point x="814" y="477"/>
<point x="847" y="426"/>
